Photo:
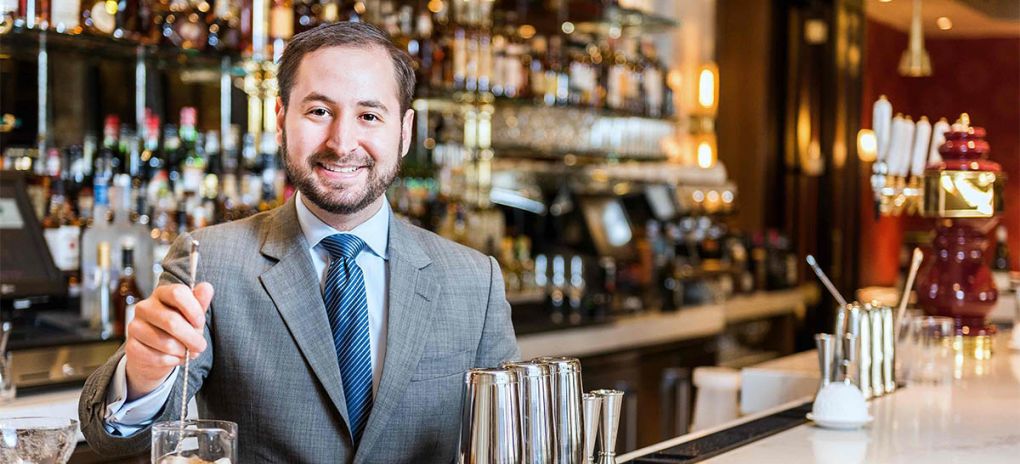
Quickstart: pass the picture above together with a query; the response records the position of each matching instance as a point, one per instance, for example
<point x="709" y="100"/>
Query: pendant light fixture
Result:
<point x="915" y="61"/>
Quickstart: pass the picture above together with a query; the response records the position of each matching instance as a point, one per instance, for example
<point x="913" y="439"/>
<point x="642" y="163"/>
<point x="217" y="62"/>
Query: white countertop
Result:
<point x="632" y="332"/>
<point x="976" y="419"/>
<point x="658" y="327"/>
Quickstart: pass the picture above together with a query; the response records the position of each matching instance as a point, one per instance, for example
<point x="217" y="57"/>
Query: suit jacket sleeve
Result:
<point x="498" y="343"/>
<point x="92" y="403"/>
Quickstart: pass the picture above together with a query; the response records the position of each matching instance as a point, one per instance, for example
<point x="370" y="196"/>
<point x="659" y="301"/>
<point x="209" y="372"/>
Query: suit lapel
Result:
<point x="294" y="288"/>
<point x="412" y="295"/>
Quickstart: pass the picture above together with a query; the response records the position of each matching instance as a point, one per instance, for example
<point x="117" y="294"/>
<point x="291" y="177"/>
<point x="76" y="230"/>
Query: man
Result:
<point x="335" y="333"/>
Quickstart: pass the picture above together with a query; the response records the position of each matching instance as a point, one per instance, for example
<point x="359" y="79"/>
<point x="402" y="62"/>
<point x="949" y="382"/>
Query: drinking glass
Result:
<point x="7" y="387"/>
<point x="202" y="441"/>
<point x="905" y="342"/>
<point x="931" y="359"/>
<point x="43" y="440"/>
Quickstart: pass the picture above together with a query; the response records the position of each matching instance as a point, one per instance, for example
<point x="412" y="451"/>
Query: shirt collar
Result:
<point x="374" y="232"/>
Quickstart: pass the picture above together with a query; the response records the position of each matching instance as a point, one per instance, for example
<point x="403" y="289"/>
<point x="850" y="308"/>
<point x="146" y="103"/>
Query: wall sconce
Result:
<point x="867" y="145"/>
<point x="708" y="89"/>
<point x="706" y="149"/>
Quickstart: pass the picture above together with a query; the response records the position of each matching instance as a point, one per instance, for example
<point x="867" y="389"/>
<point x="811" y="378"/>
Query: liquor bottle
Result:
<point x="576" y="289"/>
<point x="388" y="19"/>
<point x="191" y="157"/>
<point x="537" y="67"/>
<point x="1001" y="262"/>
<point x="557" y="294"/>
<point x="616" y="77"/>
<point x="653" y="80"/>
<point x="126" y="293"/>
<point x="225" y="27"/>
<point x="459" y="50"/>
<point x="99" y="17"/>
<point x="123" y="153"/>
<point x="329" y="12"/>
<point x="500" y="56"/>
<point x="635" y="77"/>
<point x="97" y="307"/>
<point x="557" y="81"/>
<point x="65" y="16"/>
<point x="123" y="228"/>
<point x="421" y="46"/>
<point x="522" y="251"/>
<point x="150" y="160"/>
<point x="306" y="15"/>
<point x="108" y="151"/>
<point x="63" y="236"/>
<point x="126" y="19"/>
<point x="281" y="25"/>
<point x="510" y="266"/>
<point x="184" y="25"/>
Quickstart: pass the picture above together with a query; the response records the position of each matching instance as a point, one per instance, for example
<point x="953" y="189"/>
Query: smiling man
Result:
<point x="328" y="329"/>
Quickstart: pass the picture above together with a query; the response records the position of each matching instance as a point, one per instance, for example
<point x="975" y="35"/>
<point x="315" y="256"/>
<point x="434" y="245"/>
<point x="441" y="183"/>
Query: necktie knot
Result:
<point x="343" y="245"/>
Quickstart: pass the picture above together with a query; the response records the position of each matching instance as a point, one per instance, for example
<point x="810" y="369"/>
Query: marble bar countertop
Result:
<point x="631" y="332"/>
<point x="655" y="328"/>
<point x="975" y="418"/>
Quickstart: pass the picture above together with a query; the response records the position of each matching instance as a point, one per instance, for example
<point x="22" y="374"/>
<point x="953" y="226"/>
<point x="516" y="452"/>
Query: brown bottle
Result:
<point x="126" y="293"/>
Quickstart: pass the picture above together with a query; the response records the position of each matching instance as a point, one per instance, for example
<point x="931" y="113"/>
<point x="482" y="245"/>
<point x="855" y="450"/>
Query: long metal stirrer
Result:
<point x="915" y="264"/>
<point x="193" y="268"/>
<point x="825" y="281"/>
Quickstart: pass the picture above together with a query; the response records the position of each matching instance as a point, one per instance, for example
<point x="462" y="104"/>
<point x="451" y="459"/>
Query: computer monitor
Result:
<point x="27" y="271"/>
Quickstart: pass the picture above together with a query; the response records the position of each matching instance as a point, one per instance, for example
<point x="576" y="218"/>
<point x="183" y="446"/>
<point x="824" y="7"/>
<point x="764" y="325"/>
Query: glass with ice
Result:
<point x="200" y="442"/>
<point x="37" y="440"/>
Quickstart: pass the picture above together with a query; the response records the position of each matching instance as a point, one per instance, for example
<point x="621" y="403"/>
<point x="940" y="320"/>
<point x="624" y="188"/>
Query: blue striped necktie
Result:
<point x="347" y="309"/>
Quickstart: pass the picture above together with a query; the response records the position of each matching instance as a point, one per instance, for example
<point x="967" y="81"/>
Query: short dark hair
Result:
<point x="345" y="34"/>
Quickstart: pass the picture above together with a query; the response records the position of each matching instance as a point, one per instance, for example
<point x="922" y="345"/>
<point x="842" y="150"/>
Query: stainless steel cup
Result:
<point x="877" y="351"/>
<point x="889" y="349"/>
<point x="612" y="401"/>
<point x="491" y="420"/>
<point x="567" y="407"/>
<point x="537" y="431"/>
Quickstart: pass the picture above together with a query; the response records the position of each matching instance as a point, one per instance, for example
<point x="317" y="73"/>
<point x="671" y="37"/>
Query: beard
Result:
<point x="340" y="200"/>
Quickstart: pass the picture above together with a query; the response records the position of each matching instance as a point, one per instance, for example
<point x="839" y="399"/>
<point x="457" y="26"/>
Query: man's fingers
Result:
<point x="175" y="325"/>
<point x="136" y="351"/>
<point x="204" y="293"/>
<point x="156" y="338"/>
<point x="181" y="298"/>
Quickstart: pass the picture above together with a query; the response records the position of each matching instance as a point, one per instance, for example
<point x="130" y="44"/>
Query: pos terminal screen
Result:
<point x="26" y="266"/>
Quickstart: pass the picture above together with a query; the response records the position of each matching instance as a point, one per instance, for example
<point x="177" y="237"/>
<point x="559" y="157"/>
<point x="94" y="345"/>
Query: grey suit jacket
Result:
<point x="271" y="366"/>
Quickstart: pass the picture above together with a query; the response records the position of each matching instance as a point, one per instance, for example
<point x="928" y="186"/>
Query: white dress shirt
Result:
<point x="125" y="418"/>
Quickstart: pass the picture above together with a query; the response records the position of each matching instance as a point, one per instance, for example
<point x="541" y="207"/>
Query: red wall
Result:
<point x="980" y="77"/>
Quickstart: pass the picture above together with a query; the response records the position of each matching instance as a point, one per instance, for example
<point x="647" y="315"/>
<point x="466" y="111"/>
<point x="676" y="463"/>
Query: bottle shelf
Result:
<point x="26" y="42"/>
<point x="626" y="21"/>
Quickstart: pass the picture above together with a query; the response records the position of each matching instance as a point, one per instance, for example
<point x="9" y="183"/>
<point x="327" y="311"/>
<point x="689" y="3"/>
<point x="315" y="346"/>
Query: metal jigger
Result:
<point x="491" y="423"/>
<point x="826" y="358"/>
<point x="612" y="401"/>
<point x="592" y="408"/>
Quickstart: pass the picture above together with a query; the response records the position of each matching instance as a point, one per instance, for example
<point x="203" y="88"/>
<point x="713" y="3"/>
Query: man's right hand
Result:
<point x="166" y="323"/>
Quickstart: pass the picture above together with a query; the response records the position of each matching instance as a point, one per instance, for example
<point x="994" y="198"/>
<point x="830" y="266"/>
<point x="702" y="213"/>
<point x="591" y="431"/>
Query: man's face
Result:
<point x="342" y="133"/>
